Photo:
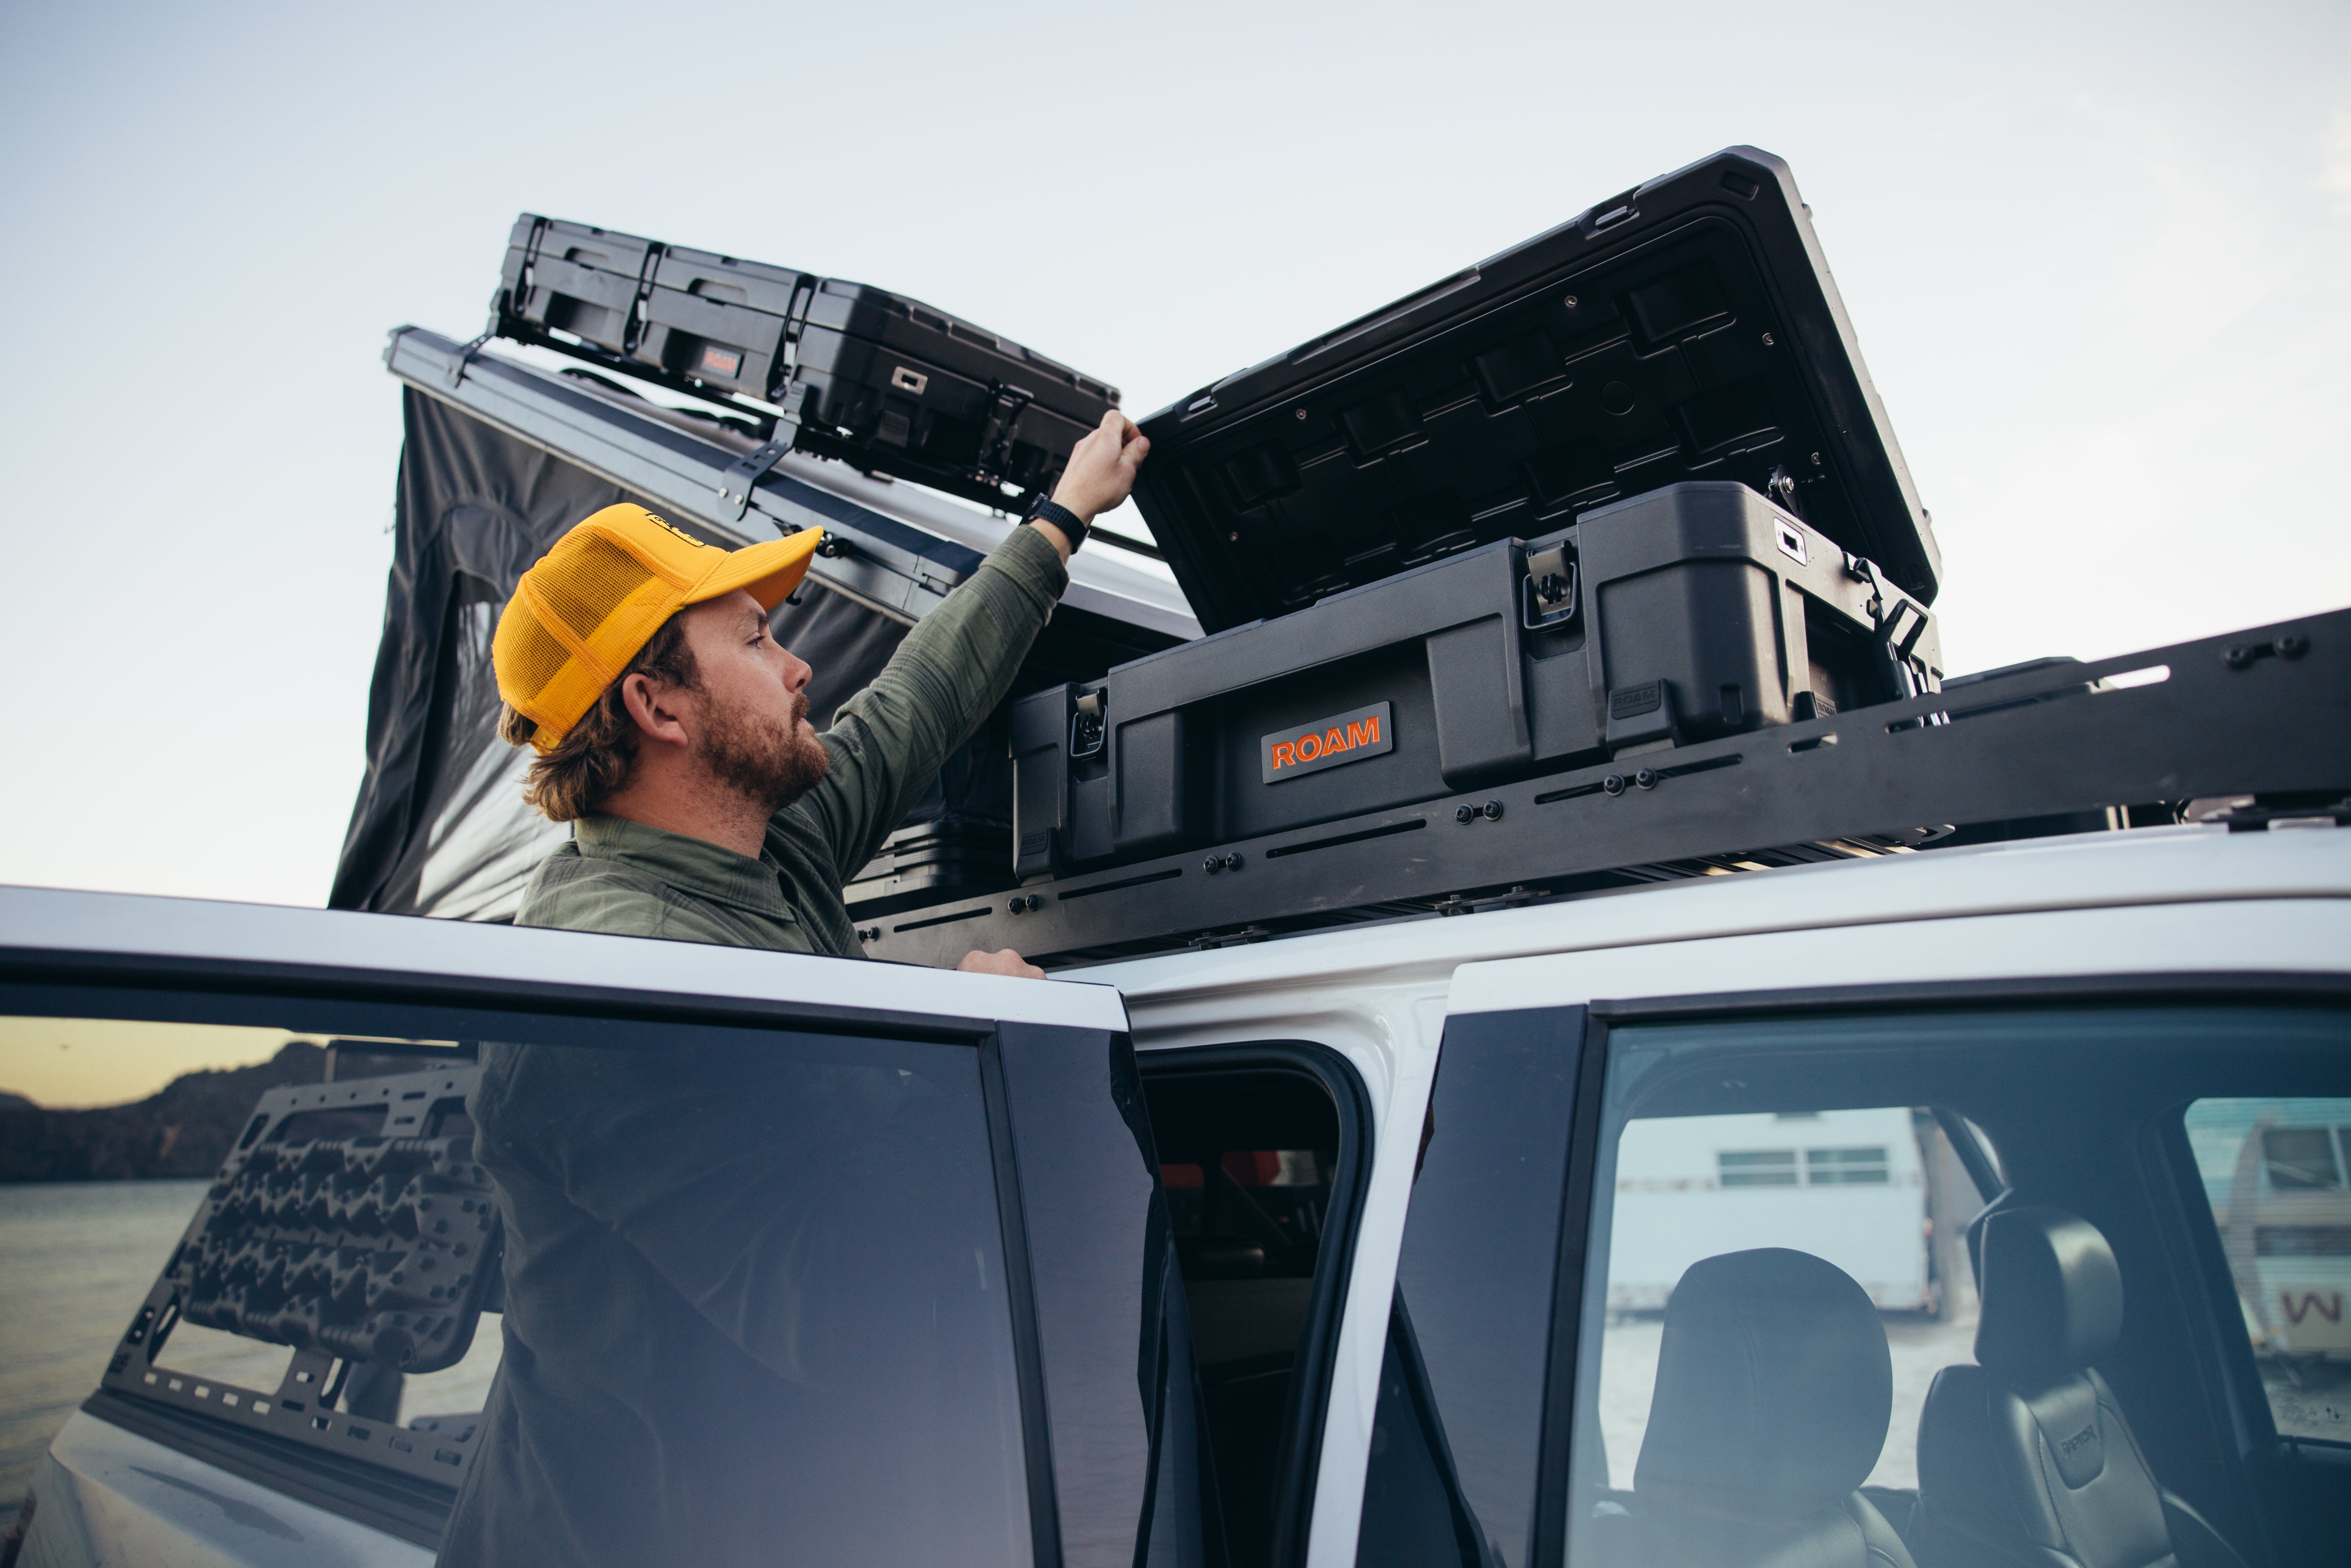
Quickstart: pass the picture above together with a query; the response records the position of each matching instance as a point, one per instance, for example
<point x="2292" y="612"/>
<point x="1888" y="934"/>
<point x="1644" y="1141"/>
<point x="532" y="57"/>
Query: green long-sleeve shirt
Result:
<point x="887" y="743"/>
<point x="686" y="1272"/>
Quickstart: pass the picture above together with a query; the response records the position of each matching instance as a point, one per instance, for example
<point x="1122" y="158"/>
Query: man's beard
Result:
<point x="771" y="767"/>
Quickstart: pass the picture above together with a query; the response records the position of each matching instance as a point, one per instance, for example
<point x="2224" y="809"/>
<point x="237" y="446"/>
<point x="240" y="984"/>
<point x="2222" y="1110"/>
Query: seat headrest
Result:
<point x="1775" y="1386"/>
<point x="2052" y="1298"/>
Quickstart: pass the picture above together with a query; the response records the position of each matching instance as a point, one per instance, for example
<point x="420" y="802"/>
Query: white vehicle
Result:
<point x="1403" y="1345"/>
<point x="1733" y="1183"/>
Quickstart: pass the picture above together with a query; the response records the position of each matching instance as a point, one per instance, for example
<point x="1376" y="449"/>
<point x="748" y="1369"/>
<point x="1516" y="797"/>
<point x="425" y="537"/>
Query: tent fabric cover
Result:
<point x="440" y="827"/>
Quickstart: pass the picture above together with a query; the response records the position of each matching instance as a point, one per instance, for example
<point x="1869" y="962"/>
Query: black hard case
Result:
<point x="1685" y="330"/>
<point x="1687" y="614"/>
<point x="874" y="378"/>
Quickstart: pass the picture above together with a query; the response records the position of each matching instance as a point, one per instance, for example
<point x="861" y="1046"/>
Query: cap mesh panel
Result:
<point x="584" y="579"/>
<point x="529" y="652"/>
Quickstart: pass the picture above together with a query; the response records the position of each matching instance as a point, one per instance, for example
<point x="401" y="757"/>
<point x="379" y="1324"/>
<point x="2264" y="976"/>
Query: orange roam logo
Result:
<point x="1328" y="742"/>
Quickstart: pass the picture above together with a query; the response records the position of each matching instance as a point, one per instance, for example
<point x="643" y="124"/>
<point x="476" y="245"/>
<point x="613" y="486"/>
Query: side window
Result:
<point x="2278" y="1176"/>
<point x="789" y="1250"/>
<point x="1869" y="1190"/>
<point x="1905" y="1289"/>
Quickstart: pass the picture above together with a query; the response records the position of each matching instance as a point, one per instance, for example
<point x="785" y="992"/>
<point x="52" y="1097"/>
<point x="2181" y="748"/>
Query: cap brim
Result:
<point x="767" y="572"/>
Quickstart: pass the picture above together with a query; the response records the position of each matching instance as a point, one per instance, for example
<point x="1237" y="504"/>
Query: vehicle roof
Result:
<point x="2098" y="871"/>
<point x="2090" y="871"/>
<point x="56" y="921"/>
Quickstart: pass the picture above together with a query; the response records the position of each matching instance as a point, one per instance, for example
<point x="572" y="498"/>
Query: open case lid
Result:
<point x="1685" y="330"/>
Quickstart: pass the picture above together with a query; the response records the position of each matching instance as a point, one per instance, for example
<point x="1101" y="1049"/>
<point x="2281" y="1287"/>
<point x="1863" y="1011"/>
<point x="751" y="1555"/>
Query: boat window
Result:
<point x="2272" y="1171"/>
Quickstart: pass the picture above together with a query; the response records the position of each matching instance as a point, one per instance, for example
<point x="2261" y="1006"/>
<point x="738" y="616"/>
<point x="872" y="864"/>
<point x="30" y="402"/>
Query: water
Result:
<point x="75" y="1259"/>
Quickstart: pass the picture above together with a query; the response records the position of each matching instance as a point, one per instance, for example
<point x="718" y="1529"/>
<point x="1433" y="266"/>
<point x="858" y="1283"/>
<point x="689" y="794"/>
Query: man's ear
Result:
<point x="655" y="710"/>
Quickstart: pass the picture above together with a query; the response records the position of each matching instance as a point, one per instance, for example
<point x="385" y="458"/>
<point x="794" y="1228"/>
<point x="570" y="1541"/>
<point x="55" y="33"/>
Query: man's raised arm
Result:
<point x="889" y="741"/>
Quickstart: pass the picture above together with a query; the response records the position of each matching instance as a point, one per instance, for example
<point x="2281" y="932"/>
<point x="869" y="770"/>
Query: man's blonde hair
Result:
<point x="593" y="758"/>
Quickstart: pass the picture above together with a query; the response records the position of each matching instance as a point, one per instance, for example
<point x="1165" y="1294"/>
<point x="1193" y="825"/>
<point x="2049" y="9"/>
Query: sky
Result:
<point x="2095" y="257"/>
<point x="72" y="1063"/>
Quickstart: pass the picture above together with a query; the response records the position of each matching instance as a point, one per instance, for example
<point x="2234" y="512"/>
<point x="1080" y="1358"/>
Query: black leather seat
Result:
<point x="2026" y="1459"/>
<point x="1774" y="1387"/>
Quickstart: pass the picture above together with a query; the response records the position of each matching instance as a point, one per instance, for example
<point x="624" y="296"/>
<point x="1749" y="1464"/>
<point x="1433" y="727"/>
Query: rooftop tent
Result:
<point x="498" y="458"/>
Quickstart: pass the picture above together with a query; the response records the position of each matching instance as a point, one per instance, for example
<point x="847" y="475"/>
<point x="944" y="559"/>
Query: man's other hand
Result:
<point x="1005" y="963"/>
<point x="1101" y="467"/>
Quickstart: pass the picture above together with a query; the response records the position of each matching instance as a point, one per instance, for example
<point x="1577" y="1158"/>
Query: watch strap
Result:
<point x="1044" y="511"/>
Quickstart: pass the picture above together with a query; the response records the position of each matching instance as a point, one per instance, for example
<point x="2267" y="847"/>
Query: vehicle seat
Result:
<point x="2025" y="1459"/>
<point x="1774" y="1387"/>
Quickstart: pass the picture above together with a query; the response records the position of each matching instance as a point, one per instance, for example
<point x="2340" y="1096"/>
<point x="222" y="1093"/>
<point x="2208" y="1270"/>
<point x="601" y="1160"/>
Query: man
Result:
<point x="705" y="806"/>
<point x="672" y="1237"/>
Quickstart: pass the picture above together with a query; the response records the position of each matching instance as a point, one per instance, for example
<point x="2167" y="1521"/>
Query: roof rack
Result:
<point x="2131" y="740"/>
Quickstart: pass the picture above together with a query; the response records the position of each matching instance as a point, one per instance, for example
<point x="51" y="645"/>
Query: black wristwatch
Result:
<point x="1042" y="511"/>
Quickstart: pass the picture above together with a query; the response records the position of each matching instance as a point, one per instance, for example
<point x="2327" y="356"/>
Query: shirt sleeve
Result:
<point x="889" y="741"/>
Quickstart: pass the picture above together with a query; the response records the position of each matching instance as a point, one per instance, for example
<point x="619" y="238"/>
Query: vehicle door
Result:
<point x="974" y="1263"/>
<point x="1732" y="1270"/>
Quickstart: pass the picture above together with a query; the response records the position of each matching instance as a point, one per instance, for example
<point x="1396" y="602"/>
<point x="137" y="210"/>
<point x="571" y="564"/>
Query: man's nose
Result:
<point x="797" y="673"/>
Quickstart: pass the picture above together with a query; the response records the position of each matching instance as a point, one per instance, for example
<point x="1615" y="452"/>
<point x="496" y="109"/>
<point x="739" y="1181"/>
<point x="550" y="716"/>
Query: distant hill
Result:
<point x="185" y="1130"/>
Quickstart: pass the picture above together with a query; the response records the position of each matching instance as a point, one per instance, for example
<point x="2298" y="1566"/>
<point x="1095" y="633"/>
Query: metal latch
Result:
<point x="1548" y="595"/>
<point x="735" y="486"/>
<point x="1004" y="411"/>
<point x="1086" y="726"/>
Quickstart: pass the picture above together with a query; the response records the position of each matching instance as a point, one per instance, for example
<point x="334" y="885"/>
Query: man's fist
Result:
<point x="1101" y="467"/>
<point x="1005" y="963"/>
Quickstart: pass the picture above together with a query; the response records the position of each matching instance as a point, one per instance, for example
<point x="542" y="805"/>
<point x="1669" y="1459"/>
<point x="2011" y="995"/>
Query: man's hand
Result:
<point x="1101" y="467"/>
<point x="1006" y="962"/>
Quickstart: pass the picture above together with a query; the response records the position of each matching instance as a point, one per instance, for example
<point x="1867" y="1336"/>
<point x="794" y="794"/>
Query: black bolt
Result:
<point x="1233" y="860"/>
<point x="1493" y="811"/>
<point x="1465" y="815"/>
<point x="1646" y="778"/>
<point x="1213" y="864"/>
<point x="1613" y="783"/>
<point x="2238" y="657"/>
<point x="2293" y="645"/>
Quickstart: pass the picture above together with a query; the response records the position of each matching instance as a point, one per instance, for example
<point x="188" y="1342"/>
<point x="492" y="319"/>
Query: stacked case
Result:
<point x="870" y="377"/>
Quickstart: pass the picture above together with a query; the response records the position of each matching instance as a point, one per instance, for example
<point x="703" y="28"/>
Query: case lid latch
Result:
<point x="1548" y="595"/>
<point x="1086" y="727"/>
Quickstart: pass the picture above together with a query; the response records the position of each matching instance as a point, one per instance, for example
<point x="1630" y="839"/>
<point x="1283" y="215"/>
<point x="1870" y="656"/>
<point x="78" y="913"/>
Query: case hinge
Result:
<point x="1004" y="411"/>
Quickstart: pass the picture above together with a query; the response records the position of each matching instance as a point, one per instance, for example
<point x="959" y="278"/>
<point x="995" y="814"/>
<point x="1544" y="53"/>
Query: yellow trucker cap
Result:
<point x="586" y="607"/>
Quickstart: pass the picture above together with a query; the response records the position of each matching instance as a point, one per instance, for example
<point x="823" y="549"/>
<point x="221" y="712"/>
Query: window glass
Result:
<point x="1782" y="1333"/>
<point x="2273" y="1170"/>
<point x="784" y="1249"/>
<point x="1863" y="1190"/>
